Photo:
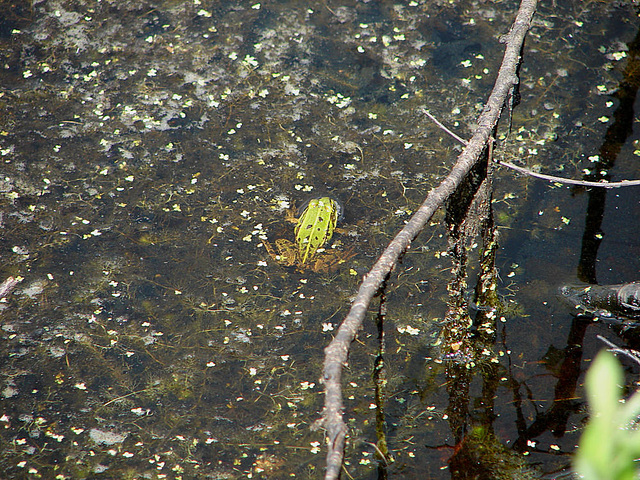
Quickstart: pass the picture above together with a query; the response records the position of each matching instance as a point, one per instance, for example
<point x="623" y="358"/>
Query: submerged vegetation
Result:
<point x="150" y="153"/>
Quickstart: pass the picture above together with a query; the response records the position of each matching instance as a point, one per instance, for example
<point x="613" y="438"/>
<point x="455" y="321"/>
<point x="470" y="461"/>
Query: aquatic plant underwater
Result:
<point x="151" y="151"/>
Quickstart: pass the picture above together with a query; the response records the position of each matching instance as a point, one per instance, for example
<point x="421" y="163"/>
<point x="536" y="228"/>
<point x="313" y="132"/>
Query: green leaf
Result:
<point x="630" y="410"/>
<point x="603" y="387"/>
<point x="608" y="448"/>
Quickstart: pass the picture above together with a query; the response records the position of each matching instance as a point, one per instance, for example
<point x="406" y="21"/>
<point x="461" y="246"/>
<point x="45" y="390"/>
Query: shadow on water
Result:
<point x="615" y="138"/>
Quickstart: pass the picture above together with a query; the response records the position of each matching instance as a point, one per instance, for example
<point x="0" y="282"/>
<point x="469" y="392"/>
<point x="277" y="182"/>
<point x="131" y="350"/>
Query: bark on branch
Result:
<point x="337" y="351"/>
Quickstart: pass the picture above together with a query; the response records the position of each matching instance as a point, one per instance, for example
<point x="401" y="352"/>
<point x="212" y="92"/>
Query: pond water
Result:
<point x="150" y="153"/>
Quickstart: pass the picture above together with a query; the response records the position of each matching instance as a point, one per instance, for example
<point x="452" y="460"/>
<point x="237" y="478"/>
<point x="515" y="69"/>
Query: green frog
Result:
<point x="315" y="225"/>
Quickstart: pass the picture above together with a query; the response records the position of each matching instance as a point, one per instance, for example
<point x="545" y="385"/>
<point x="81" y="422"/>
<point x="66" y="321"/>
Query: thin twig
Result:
<point x="382" y="455"/>
<point x="443" y="127"/>
<point x="632" y="354"/>
<point x="337" y="351"/>
<point x="122" y="397"/>
<point x="584" y="183"/>
<point x="551" y="178"/>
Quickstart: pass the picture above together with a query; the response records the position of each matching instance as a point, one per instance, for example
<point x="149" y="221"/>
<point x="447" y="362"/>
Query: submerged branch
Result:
<point x="337" y="351"/>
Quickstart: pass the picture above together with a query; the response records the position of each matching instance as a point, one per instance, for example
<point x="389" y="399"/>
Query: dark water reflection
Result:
<point x="150" y="148"/>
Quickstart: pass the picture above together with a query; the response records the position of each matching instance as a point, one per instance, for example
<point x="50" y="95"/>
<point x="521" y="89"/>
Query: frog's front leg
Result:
<point x="270" y="251"/>
<point x="290" y="216"/>
<point x="287" y="252"/>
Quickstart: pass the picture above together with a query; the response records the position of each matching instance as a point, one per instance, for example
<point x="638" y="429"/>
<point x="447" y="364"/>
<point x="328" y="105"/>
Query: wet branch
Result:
<point x="337" y="351"/>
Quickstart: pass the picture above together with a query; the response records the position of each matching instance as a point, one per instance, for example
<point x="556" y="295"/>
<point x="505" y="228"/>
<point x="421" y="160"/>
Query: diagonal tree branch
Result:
<point x="337" y="351"/>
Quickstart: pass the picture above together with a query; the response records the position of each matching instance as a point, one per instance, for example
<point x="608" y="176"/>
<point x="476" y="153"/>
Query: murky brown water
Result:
<point x="150" y="148"/>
